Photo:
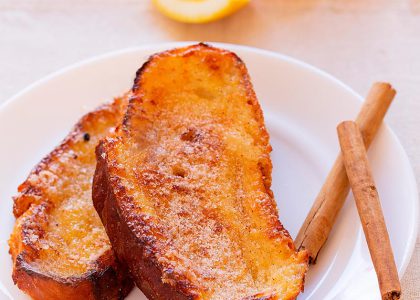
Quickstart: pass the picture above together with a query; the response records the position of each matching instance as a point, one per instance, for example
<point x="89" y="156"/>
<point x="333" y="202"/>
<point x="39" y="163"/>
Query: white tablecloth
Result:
<point x="359" y="41"/>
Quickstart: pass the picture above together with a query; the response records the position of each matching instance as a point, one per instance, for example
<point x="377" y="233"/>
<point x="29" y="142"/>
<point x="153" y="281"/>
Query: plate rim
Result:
<point x="413" y="235"/>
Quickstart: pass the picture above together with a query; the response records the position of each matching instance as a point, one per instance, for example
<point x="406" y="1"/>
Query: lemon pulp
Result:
<point x="198" y="11"/>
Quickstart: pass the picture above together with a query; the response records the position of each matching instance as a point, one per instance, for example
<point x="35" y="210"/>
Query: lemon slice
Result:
<point x="198" y="11"/>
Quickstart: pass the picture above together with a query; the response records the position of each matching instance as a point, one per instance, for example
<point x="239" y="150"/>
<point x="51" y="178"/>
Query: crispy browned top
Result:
<point x="58" y="232"/>
<point x="192" y="170"/>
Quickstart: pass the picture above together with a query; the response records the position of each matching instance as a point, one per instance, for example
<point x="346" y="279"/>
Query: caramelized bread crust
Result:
<point x="183" y="189"/>
<point x="59" y="247"/>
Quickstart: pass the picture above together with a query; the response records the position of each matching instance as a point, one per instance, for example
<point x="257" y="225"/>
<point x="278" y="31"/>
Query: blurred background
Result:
<point x="358" y="41"/>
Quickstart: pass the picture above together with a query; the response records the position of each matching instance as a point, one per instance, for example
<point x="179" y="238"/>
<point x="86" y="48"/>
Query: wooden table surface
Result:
<point x="358" y="41"/>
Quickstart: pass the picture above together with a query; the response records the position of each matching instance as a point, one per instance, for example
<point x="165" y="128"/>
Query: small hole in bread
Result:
<point x="189" y="136"/>
<point x="179" y="171"/>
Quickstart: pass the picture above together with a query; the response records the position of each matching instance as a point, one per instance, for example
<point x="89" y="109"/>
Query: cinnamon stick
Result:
<point x="320" y="219"/>
<point x="369" y="208"/>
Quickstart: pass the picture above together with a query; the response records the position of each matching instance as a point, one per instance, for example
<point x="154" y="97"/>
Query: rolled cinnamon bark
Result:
<point x="320" y="219"/>
<point x="369" y="208"/>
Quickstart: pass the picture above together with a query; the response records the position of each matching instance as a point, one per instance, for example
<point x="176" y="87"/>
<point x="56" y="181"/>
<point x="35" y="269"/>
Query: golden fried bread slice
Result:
<point x="184" y="188"/>
<point x="59" y="247"/>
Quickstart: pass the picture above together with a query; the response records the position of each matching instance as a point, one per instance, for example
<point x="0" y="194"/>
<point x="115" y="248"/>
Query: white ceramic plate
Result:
<point x="302" y="106"/>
